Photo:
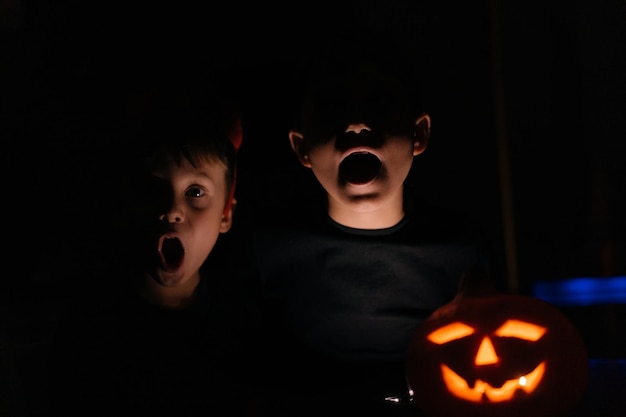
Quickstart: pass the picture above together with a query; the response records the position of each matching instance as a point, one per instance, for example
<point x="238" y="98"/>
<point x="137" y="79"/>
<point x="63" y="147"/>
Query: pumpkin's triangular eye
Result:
<point x="450" y="332"/>
<point x="521" y="330"/>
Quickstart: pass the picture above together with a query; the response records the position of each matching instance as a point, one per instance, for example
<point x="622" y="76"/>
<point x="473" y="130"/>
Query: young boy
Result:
<point x="167" y="331"/>
<point x="348" y="281"/>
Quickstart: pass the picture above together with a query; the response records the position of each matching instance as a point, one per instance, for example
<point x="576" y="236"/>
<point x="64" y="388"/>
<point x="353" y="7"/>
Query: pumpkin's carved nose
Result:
<point x="486" y="354"/>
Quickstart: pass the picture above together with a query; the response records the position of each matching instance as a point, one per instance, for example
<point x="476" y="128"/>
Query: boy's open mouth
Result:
<point x="171" y="253"/>
<point x="359" y="168"/>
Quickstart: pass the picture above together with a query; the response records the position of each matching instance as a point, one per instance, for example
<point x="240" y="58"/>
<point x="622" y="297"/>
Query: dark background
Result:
<point x="527" y="100"/>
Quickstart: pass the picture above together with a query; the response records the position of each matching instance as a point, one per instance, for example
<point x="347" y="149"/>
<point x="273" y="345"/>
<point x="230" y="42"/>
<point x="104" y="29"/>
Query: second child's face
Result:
<point x="360" y="143"/>
<point x="359" y="173"/>
<point x="187" y="217"/>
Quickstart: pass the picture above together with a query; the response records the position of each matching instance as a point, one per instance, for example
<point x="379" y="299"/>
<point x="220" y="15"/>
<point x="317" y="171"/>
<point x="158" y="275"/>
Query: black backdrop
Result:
<point x="527" y="100"/>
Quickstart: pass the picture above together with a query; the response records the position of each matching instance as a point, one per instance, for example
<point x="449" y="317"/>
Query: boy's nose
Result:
<point x="172" y="216"/>
<point x="358" y="134"/>
<point x="357" y="128"/>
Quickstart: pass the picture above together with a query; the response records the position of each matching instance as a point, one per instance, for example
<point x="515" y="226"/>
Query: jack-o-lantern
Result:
<point x="497" y="354"/>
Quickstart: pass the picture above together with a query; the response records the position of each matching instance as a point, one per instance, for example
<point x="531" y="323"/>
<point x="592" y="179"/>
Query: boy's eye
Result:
<point x="194" y="192"/>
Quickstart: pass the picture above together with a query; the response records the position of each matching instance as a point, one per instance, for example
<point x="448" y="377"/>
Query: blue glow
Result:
<point x="582" y="291"/>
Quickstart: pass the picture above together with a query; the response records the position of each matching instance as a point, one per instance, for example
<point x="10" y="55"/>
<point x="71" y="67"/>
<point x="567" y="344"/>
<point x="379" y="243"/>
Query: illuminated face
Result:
<point x="485" y="356"/>
<point x="496" y="355"/>
<point x="189" y="202"/>
<point x="361" y="175"/>
<point x="359" y="138"/>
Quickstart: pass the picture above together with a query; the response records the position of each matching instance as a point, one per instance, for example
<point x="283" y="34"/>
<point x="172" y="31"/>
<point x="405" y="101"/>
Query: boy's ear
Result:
<point x="421" y="134"/>
<point x="299" y="147"/>
<point x="227" y="217"/>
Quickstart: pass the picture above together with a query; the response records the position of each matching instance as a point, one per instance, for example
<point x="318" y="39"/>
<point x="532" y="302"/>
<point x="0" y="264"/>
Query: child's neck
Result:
<point x="381" y="217"/>
<point x="174" y="298"/>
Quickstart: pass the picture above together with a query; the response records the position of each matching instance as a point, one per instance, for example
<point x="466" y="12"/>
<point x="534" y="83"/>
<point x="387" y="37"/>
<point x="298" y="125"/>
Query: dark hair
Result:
<point x="340" y="60"/>
<point x="184" y="127"/>
<point x="367" y="73"/>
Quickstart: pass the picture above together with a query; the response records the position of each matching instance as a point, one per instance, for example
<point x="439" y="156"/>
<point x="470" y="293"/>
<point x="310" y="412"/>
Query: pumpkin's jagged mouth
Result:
<point x="484" y="391"/>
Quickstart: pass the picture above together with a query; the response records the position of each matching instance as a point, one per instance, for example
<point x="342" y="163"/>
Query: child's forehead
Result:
<point x="166" y="158"/>
<point x="358" y="90"/>
<point x="357" y="86"/>
<point x="201" y="171"/>
<point x="355" y="79"/>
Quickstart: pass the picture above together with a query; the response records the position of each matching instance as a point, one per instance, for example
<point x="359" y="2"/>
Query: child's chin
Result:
<point x="169" y="278"/>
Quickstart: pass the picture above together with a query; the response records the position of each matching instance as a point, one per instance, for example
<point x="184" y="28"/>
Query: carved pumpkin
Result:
<point x="493" y="354"/>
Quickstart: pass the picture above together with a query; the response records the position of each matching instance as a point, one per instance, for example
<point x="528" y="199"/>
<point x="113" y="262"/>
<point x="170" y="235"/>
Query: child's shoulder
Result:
<point x="443" y="220"/>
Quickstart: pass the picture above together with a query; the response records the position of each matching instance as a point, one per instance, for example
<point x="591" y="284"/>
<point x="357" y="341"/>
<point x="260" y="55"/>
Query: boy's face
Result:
<point x="185" y="210"/>
<point x="359" y="140"/>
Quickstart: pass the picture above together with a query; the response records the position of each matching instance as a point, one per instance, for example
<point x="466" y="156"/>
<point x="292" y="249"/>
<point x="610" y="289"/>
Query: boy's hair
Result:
<point x="185" y="128"/>
<point x="368" y="52"/>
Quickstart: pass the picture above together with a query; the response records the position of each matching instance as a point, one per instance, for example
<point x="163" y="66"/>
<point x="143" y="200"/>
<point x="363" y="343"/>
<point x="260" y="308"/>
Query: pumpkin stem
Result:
<point x="476" y="281"/>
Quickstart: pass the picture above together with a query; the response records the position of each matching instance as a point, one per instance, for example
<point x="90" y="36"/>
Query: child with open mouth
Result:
<point x="168" y="329"/>
<point x="349" y="273"/>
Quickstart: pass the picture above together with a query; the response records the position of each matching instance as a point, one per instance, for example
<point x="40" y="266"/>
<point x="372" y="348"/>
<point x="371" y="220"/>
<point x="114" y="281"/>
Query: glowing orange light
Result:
<point x="521" y="330"/>
<point x="486" y="354"/>
<point x="450" y="332"/>
<point x="483" y="391"/>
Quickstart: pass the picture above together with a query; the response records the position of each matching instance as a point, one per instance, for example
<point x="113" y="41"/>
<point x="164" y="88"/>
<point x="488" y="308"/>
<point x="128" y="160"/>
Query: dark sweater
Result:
<point x="116" y="353"/>
<point x="342" y="304"/>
